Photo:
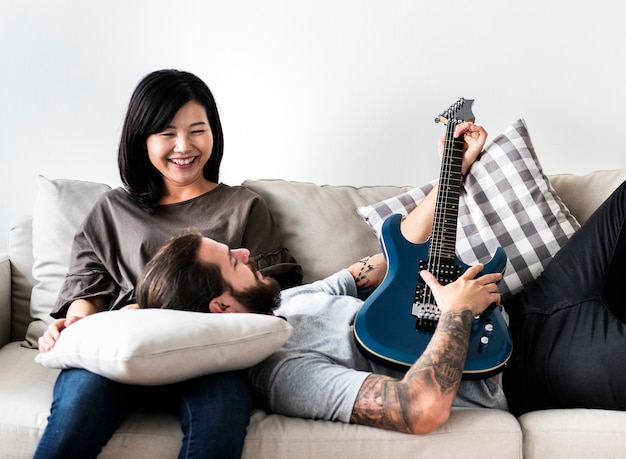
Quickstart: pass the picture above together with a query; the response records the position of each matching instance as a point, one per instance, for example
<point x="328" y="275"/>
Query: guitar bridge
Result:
<point x="425" y="307"/>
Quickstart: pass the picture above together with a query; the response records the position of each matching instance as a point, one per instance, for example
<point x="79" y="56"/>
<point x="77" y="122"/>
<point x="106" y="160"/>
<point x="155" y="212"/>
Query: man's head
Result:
<point x="195" y="273"/>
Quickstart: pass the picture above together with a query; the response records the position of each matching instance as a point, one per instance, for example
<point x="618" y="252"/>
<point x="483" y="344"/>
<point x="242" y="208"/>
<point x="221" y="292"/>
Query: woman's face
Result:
<point x="182" y="149"/>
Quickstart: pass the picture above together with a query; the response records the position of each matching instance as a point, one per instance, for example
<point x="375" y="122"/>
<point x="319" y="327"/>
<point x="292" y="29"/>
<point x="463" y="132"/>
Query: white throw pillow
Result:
<point x="60" y="208"/>
<point x="164" y="346"/>
<point x="507" y="202"/>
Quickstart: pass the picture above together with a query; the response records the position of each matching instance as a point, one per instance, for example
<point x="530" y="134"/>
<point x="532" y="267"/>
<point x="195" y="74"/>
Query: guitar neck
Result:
<point x="443" y="239"/>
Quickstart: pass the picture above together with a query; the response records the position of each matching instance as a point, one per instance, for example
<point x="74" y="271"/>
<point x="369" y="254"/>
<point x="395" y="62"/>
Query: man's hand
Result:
<point x="467" y="292"/>
<point x="475" y="138"/>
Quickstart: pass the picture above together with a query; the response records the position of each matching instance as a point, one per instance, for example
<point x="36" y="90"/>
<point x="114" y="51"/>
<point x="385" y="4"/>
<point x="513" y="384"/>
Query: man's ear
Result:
<point x="216" y="306"/>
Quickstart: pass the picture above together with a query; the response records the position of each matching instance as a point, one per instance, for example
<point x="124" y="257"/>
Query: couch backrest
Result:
<point x="22" y="282"/>
<point x="582" y="194"/>
<point x="319" y="224"/>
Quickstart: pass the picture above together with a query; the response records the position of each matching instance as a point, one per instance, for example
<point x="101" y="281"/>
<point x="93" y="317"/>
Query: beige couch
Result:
<point x="325" y="233"/>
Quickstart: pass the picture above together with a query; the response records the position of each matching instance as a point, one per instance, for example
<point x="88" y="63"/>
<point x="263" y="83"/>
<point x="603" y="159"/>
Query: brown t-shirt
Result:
<point x="117" y="239"/>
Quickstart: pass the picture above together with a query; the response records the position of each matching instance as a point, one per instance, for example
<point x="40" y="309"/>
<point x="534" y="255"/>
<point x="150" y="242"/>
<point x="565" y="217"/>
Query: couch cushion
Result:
<point x="564" y="434"/>
<point x="5" y="299"/>
<point x="136" y="346"/>
<point x="469" y="433"/>
<point x="508" y="202"/>
<point x="582" y="194"/>
<point x="60" y="207"/>
<point x="319" y="224"/>
<point x="21" y="253"/>
<point x="26" y="395"/>
<point x="25" y="399"/>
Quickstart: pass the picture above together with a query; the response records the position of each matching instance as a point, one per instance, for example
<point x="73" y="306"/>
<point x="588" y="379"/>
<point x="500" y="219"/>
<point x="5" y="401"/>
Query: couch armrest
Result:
<point x="5" y="299"/>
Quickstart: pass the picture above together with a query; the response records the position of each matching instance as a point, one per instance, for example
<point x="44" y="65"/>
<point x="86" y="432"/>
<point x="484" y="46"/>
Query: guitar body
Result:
<point x="396" y="323"/>
<point x="386" y="330"/>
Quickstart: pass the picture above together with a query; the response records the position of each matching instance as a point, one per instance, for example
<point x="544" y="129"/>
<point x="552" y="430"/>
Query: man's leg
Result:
<point x="86" y="410"/>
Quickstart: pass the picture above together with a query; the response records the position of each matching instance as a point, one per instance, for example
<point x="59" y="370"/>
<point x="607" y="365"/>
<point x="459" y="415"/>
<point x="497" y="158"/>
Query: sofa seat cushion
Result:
<point x="26" y="395"/>
<point x="564" y="434"/>
<point x="469" y="433"/>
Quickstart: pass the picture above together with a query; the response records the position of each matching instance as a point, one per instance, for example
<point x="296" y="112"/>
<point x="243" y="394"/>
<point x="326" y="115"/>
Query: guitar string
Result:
<point x="435" y="265"/>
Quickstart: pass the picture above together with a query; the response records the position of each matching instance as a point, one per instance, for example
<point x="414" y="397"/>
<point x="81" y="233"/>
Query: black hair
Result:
<point x="154" y="103"/>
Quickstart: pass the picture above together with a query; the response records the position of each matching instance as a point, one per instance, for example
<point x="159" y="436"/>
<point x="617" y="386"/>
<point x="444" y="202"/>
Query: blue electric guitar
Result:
<point x="396" y="323"/>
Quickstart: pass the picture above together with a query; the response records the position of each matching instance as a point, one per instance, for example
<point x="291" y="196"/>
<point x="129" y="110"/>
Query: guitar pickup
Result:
<point x="425" y="308"/>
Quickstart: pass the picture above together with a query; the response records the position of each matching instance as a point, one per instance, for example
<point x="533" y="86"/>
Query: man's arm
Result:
<point x="421" y="401"/>
<point x="417" y="226"/>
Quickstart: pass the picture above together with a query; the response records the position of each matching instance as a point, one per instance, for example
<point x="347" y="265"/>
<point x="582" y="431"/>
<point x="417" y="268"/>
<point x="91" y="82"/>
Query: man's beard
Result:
<point x="263" y="297"/>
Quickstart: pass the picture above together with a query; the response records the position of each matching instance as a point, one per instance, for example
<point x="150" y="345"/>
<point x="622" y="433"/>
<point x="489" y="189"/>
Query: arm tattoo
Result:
<point x="447" y="359"/>
<point x="368" y="274"/>
<point x="360" y="277"/>
<point x="391" y="404"/>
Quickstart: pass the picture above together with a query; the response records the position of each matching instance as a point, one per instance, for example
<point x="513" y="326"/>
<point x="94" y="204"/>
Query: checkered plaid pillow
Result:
<point x="507" y="202"/>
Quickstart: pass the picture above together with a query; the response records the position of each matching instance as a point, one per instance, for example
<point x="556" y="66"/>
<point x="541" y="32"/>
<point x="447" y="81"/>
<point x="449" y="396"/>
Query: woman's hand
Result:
<point x="76" y="311"/>
<point x="52" y="333"/>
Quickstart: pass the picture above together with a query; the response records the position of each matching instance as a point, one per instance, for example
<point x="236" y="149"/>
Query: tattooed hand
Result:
<point x="468" y="292"/>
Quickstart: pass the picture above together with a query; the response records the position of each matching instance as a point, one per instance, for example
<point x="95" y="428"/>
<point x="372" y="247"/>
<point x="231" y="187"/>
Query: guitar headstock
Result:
<point x="459" y="112"/>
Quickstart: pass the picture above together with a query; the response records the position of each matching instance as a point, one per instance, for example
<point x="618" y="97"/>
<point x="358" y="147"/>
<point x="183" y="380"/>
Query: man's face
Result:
<point x="241" y="274"/>
<point x="233" y="263"/>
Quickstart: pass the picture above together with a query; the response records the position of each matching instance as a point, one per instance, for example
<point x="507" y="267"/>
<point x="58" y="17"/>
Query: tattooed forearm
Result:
<point x="430" y="384"/>
<point x="369" y="271"/>
<point x="447" y="351"/>
<point x="377" y="405"/>
<point x="360" y="276"/>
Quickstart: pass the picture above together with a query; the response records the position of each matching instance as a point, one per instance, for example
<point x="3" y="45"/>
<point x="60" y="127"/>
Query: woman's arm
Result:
<point x="76" y="311"/>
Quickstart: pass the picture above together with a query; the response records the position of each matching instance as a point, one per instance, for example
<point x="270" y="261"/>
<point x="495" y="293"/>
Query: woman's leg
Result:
<point x="567" y="326"/>
<point x="215" y="412"/>
<point x="86" y="410"/>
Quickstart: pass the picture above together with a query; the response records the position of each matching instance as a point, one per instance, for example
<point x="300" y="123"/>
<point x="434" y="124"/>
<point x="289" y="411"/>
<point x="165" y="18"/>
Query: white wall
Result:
<point x="328" y="91"/>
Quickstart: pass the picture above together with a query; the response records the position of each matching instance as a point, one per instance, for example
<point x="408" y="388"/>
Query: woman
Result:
<point x="169" y="158"/>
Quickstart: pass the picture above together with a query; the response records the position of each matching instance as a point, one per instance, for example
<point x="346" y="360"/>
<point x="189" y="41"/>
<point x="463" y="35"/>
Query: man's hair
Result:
<point x="154" y="103"/>
<point x="175" y="278"/>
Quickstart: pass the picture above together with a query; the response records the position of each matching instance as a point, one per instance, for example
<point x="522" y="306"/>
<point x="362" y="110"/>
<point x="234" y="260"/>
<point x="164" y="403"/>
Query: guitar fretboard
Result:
<point x="443" y="240"/>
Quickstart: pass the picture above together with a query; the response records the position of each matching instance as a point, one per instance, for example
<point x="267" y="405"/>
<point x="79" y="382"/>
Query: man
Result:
<point x="568" y="330"/>
<point x="319" y="373"/>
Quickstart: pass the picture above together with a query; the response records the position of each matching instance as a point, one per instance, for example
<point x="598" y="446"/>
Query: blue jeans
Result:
<point x="569" y="326"/>
<point x="87" y="409"/>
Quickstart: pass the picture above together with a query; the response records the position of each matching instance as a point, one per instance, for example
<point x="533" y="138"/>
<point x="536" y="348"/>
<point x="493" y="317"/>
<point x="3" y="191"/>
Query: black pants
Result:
<point x="568" y="327"/>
